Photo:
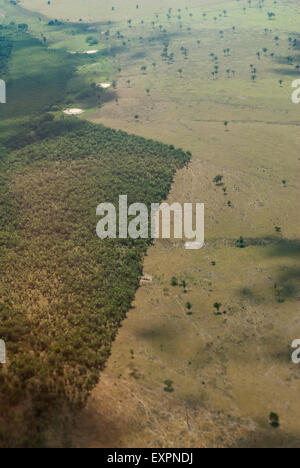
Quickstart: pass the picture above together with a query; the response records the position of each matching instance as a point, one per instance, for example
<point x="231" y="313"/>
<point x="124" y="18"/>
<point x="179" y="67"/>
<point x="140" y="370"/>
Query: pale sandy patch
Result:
<point x="73" y="111"/>
<point x="104" y="85"/>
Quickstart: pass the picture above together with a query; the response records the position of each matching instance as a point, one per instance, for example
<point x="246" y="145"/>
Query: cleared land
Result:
<point x="238" y="363"/>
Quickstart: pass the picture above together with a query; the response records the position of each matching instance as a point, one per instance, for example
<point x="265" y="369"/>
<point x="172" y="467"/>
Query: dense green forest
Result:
<point x="63" y="291"/>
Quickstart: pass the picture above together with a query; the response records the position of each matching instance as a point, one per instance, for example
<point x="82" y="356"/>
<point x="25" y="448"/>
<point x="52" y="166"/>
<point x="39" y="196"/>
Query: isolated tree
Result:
<point x="274" y="420"/>
<point x="218" y="179"/>
<point x="169" y="386"/>
<point x="174" y="281"/>
<point x="241" y="243"/>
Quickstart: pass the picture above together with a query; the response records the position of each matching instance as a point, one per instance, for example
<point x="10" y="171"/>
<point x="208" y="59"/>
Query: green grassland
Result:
<point x="43" y="79"/>
<point x="236" y="362"/>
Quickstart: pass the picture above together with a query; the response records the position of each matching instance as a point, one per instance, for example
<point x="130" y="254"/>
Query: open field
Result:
<point x="237" y="363"/>
<point x="100" y="11"/>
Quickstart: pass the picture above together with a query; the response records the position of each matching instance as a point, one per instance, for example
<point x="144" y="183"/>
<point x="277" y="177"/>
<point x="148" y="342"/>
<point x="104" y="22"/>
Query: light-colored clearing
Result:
<point x="73" y="111"/>
<point x="104" y="85"/>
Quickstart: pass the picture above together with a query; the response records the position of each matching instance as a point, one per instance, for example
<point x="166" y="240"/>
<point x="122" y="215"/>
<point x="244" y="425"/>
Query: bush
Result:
<point x="274" y="420"/>
<point x="174" y="281"/>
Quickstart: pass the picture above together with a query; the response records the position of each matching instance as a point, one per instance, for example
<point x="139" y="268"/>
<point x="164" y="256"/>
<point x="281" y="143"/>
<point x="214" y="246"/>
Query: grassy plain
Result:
<point x="238" y="363"/>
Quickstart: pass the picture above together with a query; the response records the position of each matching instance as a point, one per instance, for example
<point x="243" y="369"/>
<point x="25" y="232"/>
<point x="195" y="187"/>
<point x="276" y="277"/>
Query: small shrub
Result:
<point x="274" y="420"/>
<point x="174" y="281"/>
<point x="169" y="386"/>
